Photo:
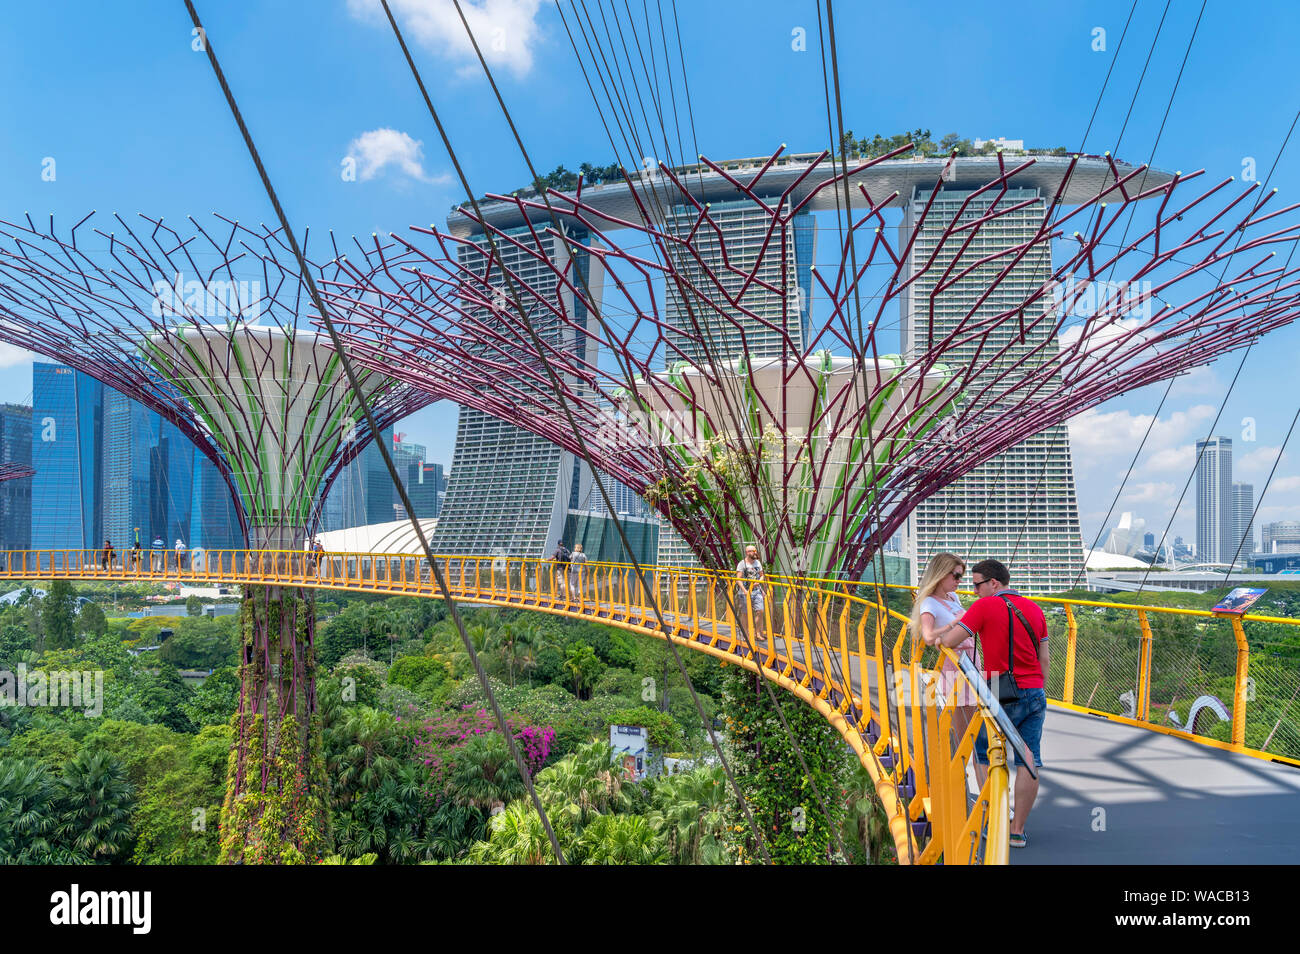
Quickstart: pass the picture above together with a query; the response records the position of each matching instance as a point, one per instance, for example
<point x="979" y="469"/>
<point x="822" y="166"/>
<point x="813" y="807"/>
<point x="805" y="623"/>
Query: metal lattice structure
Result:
<point x="821" y="444"/>
<point x="16" y="471"/>
<point x="208" y="329"/>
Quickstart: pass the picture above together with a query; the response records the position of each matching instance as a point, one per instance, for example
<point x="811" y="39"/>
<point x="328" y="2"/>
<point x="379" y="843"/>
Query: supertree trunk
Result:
<point x="276" y="809"/>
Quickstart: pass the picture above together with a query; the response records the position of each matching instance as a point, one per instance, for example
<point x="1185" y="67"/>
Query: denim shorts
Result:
<point x="1026" y="714"/>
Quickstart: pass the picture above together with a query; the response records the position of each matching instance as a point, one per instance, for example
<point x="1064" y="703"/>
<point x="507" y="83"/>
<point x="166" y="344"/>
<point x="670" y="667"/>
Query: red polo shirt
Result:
<point x="987" y="618"/>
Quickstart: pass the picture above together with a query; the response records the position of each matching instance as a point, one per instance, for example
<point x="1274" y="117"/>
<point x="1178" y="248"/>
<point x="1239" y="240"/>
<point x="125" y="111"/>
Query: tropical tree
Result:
<point x="621" y="840"/>
<point x="690" y="811"/>
<point x="483" y="774"/>
<point x="363" y="750"/>
<point x="29" y="816"/>
<point x="516" y="836"/>
<point x="590" y="780"/>
<point x="583" y="667"/>
<point x="91" y="619"/>
<point x="96" y="803"/>
<point x="58" y="615"/>
<point x="866" y="826"/>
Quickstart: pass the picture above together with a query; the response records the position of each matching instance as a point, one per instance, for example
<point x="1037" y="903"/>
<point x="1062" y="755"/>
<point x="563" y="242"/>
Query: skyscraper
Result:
<point x="741" y="230"/>
<point x="363" y="491"/>
<point x="1214" y="504"/>
<point x="1019" y="507"/>
<point x="67" y="432"/>
<point x="1242" y="544"/>
<point x="510" y="491"/>
<point x="16" y="495"/>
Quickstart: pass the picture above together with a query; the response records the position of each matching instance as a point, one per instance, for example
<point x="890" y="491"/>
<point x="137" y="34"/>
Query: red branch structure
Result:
<point x="679" y="371"/>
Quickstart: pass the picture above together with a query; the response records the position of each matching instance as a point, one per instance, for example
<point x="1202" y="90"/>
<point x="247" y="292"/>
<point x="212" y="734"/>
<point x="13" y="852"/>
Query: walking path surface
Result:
<point x="1166" y="800"/>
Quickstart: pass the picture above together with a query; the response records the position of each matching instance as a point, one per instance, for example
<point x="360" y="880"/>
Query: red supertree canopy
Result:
<point x="203" y="327"/>
<point x="670" y="359"/>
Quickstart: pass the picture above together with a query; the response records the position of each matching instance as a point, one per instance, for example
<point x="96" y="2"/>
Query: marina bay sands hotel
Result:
<point x="510" y="492"/>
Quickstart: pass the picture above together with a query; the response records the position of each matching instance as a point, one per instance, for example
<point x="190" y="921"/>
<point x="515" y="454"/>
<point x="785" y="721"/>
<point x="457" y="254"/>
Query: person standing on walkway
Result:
<point x="106" y="561"/>
<point x="158" y="561"/>
<point x="749" y="586"/>
<point x="1013" y="639"/>
<point x="936" y="607"/>
<point x="576" y="570"/>
<point x="561" y="556"/>
<point x="180" y="555"/>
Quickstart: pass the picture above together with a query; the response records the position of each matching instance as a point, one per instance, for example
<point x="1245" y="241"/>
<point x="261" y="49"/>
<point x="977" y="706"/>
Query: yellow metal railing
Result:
<point x="1153" y="666"/>
<point x="848" y="657"/>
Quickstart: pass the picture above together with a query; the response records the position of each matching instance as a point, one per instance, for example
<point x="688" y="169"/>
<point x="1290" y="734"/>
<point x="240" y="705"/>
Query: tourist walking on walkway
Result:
<point x="561" y="556"/>
<point x="937" y="607"/>
<point x="576" y="570"/>
<point x="749" y="587"/>
<point x="158" y="559"/>
<point x="1013" y="641"/>
<point x="106" y="560"/>
<point x="180" y="555"/>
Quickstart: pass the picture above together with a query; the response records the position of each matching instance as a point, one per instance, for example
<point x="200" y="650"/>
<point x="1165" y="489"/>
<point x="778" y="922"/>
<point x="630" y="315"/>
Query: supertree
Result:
<point x="209" y="329"/>
<point x="699" y="378"/>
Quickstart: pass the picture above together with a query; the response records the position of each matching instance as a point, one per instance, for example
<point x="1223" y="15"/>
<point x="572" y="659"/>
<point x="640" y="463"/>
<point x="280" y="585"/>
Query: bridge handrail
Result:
<point x="1138" y="707"/>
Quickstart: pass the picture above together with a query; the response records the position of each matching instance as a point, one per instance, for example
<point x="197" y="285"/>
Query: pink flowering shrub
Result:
<point x="437" y="738"/>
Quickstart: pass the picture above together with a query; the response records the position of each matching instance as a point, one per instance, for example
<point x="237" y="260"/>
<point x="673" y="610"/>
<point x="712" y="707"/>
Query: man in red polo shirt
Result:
<point x="987" y="619"/>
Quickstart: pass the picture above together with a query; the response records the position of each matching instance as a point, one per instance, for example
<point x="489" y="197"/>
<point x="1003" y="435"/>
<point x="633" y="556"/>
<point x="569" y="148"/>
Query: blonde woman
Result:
<point x="935" y="608"/>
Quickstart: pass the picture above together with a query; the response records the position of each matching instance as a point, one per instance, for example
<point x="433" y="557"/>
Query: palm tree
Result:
<point x="515" y="837"/>
<point x="590" y="779"/>
<point x="97" y="804"/>
<point x="534" y="642"/>
<point x="483" y="774"/>
<point x="29" y="816"/>
<point x="583" y="666"/>
<point x="509" y="642"/>
<point x="691" y="812"/>
<point x="621" y="840"/>
<point x="866" y="825"/>
<point x="364" y="752"/>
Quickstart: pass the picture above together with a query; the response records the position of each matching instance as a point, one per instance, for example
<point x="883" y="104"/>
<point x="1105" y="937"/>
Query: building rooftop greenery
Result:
<point x="925" y="146"/>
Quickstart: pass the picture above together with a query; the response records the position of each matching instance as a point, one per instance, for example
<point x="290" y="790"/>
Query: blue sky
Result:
<point x="134" y="121"/>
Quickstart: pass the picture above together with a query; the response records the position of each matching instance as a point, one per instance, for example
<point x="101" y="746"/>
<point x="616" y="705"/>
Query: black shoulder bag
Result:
<point x="1008" y="691"/>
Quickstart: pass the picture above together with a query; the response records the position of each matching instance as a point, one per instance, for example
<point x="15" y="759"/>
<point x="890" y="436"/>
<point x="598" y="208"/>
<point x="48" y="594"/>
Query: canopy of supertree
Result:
<point x="211" y="329"/>
<point x="685" y="360"/>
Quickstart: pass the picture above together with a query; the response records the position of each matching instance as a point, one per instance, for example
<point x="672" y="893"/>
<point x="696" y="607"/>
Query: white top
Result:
<point x="750" y="571"/>
<point x="944" y="612"/>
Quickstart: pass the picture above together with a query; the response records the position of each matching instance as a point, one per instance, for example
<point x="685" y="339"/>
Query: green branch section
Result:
<point x="799" y="492"/>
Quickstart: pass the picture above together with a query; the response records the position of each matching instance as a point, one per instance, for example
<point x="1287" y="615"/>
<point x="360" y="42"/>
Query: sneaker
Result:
<point x="1017" y="841"/>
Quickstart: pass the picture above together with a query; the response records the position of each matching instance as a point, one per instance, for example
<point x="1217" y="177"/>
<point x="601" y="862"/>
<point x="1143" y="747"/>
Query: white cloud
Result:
<point x="377" y="149"/>
<point x="506" y="30"/>
<point x="11" y="356"/>
<point x="1254" y="463"/>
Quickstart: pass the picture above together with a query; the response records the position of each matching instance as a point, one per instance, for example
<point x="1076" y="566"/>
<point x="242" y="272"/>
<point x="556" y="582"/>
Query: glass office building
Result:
<point x="16" y="495"/>
<point x="67" y="432"/>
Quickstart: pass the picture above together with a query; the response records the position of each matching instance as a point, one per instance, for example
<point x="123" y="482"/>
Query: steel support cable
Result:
<point x="604" y="494"/>
<point x="1231" y="386"/>
<point x="1096" y="108"/>
<point x="874" y="513"/>
<point x="354" y="383"/>
<point x="730" y="390"/>
<point x="564" y="405"/>
<point x="704" y="331"/>
<point x="1129" y="223"/>
<point x="664" y="133"/>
